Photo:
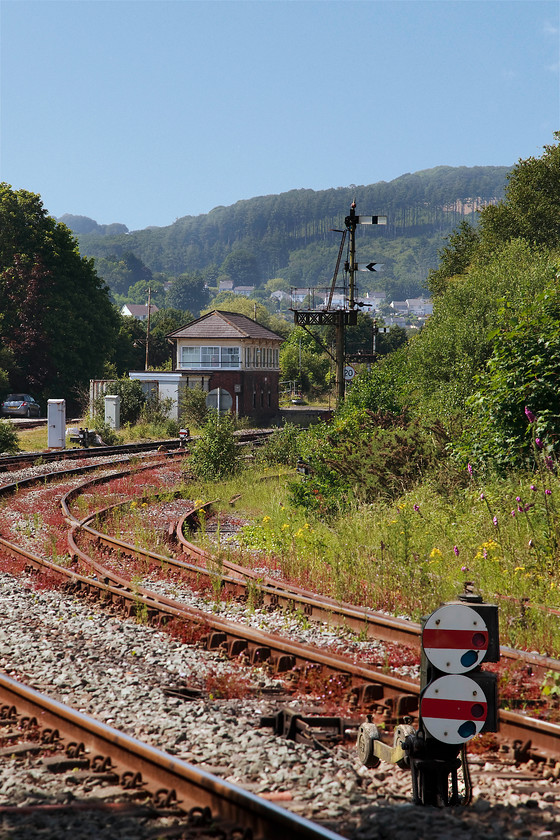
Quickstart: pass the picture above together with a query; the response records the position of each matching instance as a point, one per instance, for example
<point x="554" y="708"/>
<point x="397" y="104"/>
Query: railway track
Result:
<point x="164" y="780"/>
<point x="392" y="697"/>
<point x="378" y="689"/>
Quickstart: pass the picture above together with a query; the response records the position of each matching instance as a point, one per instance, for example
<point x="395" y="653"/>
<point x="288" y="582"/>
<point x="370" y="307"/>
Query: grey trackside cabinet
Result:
<point x="113" y="411"/>
<point x="56" y="424"/>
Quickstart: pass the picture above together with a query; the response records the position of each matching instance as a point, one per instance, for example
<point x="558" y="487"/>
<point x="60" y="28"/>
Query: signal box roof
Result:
<point x="218" y="324"/>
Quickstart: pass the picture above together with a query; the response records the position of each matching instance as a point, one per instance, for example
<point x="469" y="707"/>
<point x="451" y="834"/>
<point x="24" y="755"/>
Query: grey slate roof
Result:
<point x="218" y="324"/>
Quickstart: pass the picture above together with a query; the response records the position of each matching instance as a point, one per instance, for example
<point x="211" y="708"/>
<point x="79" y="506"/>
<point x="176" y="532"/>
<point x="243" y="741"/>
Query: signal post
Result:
<point x="458" y="700"/>
<point x="348" y="316"/>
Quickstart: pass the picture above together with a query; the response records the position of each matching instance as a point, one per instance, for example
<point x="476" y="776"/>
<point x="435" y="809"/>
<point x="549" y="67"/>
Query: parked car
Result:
<point x="20" y="405"/>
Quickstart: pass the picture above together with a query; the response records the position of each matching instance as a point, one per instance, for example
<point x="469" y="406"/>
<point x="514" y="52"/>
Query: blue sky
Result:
<point x="143" y="111"/>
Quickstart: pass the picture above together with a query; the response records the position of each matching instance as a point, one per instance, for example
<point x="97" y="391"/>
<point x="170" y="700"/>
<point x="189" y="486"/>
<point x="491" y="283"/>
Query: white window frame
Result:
<point x="230" y="358"/>
<point x="210" y="357"/>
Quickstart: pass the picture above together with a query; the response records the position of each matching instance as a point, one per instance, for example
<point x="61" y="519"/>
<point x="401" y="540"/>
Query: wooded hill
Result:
<point x="290" y="235"/>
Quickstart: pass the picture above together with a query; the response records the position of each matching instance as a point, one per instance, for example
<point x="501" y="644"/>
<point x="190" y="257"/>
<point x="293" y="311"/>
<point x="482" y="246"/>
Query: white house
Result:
<point x="138" y="311"/>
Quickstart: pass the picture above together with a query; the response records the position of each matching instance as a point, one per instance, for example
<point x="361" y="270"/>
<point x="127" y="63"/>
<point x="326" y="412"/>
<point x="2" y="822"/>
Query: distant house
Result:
<point x="399" y="306"/>
<point x="282" y="297"/>
<point x="375" y="300"/>
<point x="243" y="290"/>
<point x="232" y="358"/>
<point x="225" y="286"/>
<point x="138" y="310"/>
<point x="420" y="306"/>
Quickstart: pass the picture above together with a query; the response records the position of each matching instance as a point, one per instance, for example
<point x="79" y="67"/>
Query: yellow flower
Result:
<point x="435" y="552"/>
<point x="284" y="526"/>
<point x="519" y="569"/>
<point x="266" y="519"/>
<point x="198" y="502"/>
<point x="133" y="504"/>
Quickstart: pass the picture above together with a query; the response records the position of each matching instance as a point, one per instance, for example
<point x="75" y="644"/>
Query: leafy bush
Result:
<point x="366" y="457"/>
<point x="193" y="410"/>
<point x="522" y="373"/>
<point x="379" y="389"/>
<point x="215" y="454"/>
<point x="281" y="447"/>
<point x="155" y="410"/>
<point x="108" y="435"/>
<point x="8" y="437"/>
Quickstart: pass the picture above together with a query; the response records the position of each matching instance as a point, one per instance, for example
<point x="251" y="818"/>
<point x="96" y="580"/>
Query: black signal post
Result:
<point x="458" y="700"/>
<point x="348" y="316"/>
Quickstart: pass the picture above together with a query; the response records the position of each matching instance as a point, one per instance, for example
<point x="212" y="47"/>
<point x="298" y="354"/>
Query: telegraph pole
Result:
<point x="148" y="326"/>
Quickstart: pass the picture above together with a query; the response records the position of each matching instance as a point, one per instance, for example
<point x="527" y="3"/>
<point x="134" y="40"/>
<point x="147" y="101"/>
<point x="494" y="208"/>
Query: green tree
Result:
<point x="241" y="266"/>
<point x="302" y="360"/>
<point x="58" y="320"/>
<point x="162" y="323"/>
<point x="188" y="292"/>
<point x="455" y="257"/>
<point x="388" y="342"/>
<point x="522" y="373"/>
<point x="381" y="388"/>
<point x="129" y="350"/>
<point x="120" y="273"/>
<point x="454" y="345"/>
<point x="531" y="207"/>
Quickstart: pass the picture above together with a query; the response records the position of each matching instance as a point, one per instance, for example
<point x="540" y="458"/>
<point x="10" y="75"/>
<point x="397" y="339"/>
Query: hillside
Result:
<point x="290" y="235"/>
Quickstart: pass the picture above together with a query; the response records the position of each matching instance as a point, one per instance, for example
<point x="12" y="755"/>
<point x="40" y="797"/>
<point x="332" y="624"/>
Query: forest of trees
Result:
<point x="290" y="236"/>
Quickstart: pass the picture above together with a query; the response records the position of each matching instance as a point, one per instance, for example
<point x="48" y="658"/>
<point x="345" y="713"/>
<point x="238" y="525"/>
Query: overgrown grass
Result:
<point x="409" y="556"/>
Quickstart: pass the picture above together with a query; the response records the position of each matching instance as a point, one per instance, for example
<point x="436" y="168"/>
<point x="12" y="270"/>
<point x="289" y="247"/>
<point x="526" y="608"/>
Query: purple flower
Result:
<point x="548" y="492"/>
<point x="464" y="568"/>
<point x="513" y="513"/>
<point x="518" y="498"/>
<point x="548" y="462"/>
<point x="416" y="508"/>
<point x="529" y="415"/>
<point x="495" y="521"/>
<point x="456" y="551"/>
<point x="481" y="497"/>
<point x="538" y="443"/>
<point x="533" y="487"/>
<point x="469" y="469"/>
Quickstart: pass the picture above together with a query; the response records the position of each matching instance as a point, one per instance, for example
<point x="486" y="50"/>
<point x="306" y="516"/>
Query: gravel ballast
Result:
<point x="116" y="670"/>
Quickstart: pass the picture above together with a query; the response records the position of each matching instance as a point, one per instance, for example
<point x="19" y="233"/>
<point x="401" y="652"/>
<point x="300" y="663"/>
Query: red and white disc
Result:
<point x="453" y="708"/>
<point x="455" y="639"/>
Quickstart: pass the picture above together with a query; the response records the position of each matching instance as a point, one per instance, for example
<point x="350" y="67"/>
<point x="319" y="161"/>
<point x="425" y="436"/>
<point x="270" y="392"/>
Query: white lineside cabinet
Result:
<point x="56" y="424"/>
<point x="113" y="411"/>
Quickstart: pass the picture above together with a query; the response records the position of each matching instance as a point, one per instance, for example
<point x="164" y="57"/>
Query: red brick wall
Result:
<point x="257" y="397"/>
